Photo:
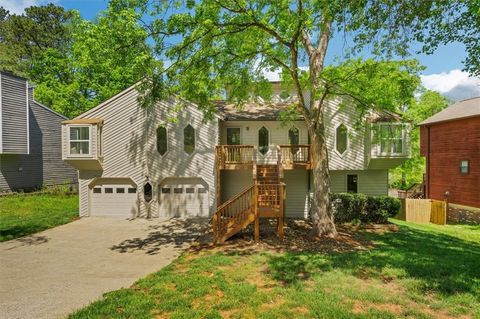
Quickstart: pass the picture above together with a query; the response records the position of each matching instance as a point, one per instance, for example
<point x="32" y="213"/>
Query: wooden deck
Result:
<point x="265" y="198"/>
<point x="237" y="157"/>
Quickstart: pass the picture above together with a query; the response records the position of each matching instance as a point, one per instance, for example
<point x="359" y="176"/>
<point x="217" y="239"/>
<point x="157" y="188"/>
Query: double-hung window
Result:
<point x="79" y="143"/>
<point x="391" y="139"/>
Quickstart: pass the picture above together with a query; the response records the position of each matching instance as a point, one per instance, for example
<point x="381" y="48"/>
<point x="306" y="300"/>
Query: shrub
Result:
<point x="367" y="209"/>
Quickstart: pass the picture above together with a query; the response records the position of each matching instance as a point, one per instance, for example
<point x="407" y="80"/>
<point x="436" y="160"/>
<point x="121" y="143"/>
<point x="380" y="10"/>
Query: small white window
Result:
<point x="79" y="140"/>
<point x="464" y="167"/>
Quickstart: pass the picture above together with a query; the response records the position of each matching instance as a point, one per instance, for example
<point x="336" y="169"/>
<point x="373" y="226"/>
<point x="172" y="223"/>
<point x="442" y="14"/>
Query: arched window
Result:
<point x="162" y="140"/>
<point x="148" y="192"/>
<point x="189" y="139"/>
<point x="341" y="139"/>
<point x="263" y="140"/>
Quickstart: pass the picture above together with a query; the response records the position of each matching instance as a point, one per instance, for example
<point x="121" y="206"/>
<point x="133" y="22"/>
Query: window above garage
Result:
<point x="82" y="141"/>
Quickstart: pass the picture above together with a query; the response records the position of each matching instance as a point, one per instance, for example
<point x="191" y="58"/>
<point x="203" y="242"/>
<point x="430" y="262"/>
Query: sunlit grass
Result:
<point x="22" y="215"/>
<point x="421" y="271"/>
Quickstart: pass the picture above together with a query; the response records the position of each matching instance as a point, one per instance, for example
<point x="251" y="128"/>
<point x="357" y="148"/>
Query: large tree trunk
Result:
<point x="321" y="211"/>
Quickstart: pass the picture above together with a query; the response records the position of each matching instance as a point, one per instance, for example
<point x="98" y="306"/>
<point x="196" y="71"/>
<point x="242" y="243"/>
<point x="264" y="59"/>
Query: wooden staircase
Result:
<point x="268" y="174"/>
<point x="264" y="199"/>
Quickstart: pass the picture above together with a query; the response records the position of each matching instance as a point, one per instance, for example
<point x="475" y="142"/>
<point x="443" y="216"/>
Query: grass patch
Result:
<point x="418" y="271"/>
<point x="21" y="215"/>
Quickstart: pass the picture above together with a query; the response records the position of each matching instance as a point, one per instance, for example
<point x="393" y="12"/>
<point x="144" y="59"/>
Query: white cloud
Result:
<point x="455" y="84"/>
<point x="18" y="6"/>
<point x="275" y="74"/>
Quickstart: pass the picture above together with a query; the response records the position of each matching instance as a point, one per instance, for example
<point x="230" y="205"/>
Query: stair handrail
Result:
<point x="223" y="217"/>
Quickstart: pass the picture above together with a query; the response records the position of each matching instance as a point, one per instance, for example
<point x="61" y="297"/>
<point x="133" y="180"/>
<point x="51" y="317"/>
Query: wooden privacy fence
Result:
<point x="423" y="211"/>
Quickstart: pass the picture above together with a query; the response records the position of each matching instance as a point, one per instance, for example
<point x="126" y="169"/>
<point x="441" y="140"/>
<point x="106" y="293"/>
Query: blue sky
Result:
<point x="443" y="68"/>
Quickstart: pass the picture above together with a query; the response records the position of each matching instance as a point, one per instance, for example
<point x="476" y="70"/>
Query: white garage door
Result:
<point x="118" y="200"/>
<point x="183" y="198"/>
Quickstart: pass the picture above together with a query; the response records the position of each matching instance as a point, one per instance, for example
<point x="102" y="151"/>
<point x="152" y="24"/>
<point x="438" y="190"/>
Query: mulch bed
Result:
<point x="297" y="238"/>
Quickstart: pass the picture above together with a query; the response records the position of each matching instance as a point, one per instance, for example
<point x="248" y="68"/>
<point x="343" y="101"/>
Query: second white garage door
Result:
<point x="183" y="197"/>
<point x="116" y="200"/>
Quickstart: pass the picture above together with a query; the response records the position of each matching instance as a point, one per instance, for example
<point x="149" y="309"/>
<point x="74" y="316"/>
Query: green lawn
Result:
<point x="415" y="271"/>
<point x="22" y="215"/>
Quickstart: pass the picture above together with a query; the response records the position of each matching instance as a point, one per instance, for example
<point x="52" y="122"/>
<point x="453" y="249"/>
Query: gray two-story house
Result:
<point x="30" y="140"/>
<point x="135" y="162"/>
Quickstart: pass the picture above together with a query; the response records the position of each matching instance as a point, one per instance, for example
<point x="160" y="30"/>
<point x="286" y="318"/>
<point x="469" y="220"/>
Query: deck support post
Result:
<point x="281" y="219"/>
<point x="257" y="217"/>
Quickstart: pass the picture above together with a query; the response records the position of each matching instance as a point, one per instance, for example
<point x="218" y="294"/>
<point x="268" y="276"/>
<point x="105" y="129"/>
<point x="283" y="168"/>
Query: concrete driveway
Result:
<point x="52" y="273"/>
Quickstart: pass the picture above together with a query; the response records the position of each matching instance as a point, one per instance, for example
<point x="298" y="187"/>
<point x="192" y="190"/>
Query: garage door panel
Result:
<point x="116" y="200"/>
<point x="180" y="198"/>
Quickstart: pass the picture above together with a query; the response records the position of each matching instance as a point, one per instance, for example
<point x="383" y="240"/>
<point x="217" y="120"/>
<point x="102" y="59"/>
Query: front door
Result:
<point x="352" y="183"/>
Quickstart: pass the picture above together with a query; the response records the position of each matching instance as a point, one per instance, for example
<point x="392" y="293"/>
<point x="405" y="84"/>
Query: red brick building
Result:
<point x="450" y="141"/>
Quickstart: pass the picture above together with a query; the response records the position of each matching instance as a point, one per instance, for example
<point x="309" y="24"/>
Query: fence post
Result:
<point x="402" y="214"/>
<point x="445" y="211"/>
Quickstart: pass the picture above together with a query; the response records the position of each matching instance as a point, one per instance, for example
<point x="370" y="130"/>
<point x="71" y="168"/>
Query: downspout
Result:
<point x="428" y="163"/>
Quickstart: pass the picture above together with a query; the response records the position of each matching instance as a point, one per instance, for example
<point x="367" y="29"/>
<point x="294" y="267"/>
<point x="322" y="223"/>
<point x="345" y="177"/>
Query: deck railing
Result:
<point x="295" y="154"/>
<point x="243" y="208"/>
<point x="236" y="211"/>
<point x="270" y="195"/>
<point x="235" y="154"/>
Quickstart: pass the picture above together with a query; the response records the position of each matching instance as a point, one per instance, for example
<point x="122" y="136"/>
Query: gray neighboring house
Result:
<point x="30" y="140"/>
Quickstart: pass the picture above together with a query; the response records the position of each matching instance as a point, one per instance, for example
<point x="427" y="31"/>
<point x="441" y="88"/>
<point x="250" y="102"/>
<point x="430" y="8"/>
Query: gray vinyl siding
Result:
<point x="370" y="182"/>
<point x="44" y="165"/>
<point x="14" y="115"/>
<point x="129" y="147"/>
<point x="47" y="125"/>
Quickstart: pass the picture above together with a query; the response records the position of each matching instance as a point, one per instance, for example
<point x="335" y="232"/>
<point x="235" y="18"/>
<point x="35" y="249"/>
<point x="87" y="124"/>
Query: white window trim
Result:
<point x="89" y="141"/>
<point x="156" y="139"/>
<point x="378" y="144"/>
<point x="194" y="140"/>
<point x="28" y="119"/>
<point x="268" y="144"/>
<point x="335" y="139"/>
<point x="99" y="140"/>
<point x="230" y="127"/>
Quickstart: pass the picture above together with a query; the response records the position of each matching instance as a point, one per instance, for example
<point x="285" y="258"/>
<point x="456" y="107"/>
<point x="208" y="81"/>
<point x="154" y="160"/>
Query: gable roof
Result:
<point x="459" y="110"/>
